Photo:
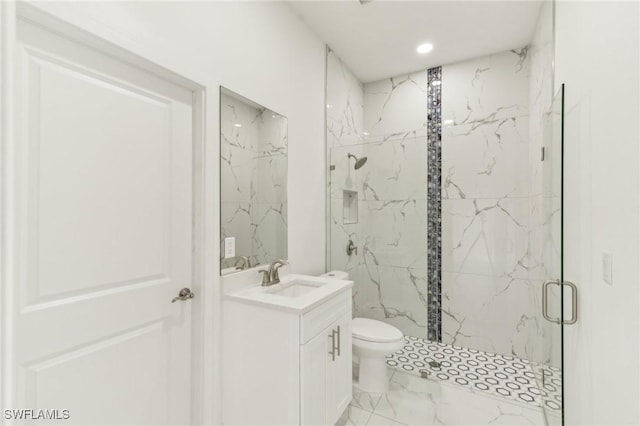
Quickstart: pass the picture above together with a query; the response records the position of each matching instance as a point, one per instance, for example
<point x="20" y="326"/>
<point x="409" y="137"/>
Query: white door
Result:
<point x="102" y="214"/>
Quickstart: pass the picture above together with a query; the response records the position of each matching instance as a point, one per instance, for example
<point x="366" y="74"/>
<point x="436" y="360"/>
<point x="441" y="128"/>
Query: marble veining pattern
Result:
<point x="413" y="401"/>
<point x="486" y="221"/>
<point x="344" y="107"/>
<point x="544" y="201"/>
<point x="396" y="105"/>
<point x="253" y="154"/>
<point x="389" y="269"/>
<point x="434" y="208"/>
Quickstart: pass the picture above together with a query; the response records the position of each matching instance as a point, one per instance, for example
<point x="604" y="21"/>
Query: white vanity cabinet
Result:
<point x="286" y="366"/>
<point x="326" y="374"/>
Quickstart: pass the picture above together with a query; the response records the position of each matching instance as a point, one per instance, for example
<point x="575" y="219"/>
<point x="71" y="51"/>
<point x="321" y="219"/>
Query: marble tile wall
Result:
<point x="343" y="135"/>
<point x="542" y="217"/>
<point x="392" y="275"/>
<point x="253" y="154"/>
<point x="344" y="103"/>
<point x="389" y="268"/>
<point x="486" y="197"/>
<point x="485" y="204"/>
<point x="396" y="105"/>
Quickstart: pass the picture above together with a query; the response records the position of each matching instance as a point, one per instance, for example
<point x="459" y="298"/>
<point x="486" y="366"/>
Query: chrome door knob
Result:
<point x="184" y="294"/>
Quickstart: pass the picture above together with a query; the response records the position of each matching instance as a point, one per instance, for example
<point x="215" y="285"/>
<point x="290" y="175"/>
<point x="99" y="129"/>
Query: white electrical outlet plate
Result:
<point x="607" y="267"/>
<point x="229" y="247"/>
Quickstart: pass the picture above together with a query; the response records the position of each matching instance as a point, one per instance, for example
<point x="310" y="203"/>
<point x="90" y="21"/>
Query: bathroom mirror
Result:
<point x="253" y="183"/>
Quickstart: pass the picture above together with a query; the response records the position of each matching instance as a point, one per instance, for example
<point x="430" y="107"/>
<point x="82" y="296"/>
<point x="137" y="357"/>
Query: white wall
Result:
<point x="257" y="49"/>
<point x="596" y="57"/>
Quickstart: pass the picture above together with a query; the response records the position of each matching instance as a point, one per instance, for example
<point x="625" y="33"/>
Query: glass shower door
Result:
<point x="550" y="368"/>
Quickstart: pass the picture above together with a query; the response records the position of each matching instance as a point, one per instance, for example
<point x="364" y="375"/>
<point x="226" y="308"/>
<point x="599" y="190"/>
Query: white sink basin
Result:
<point x="295" y="288"/>
<point x="295" y="293"/>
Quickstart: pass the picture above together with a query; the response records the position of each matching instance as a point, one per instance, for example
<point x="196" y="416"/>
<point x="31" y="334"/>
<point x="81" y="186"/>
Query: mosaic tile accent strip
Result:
<point x="434" y="208"/>
<point x="500" y="375"/>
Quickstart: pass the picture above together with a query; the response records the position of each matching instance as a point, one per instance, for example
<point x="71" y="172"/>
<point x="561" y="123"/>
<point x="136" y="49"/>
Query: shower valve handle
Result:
<point x="351" y="248"/>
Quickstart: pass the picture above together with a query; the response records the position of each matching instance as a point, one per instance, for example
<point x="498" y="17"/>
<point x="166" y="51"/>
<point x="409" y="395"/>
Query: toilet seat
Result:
<point x="374" y="331"/>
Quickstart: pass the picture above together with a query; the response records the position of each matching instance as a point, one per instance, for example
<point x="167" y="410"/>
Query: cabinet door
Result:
<point x="339" y="374"/>
<point x="313" y="384"/>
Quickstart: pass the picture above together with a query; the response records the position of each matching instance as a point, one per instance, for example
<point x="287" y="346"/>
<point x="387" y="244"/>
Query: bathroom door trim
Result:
<point x="203" y="338"/>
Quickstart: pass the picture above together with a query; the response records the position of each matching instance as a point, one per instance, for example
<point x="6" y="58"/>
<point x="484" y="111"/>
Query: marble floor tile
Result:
<point x="412" y="400"/>
<point x="354" y="416"/>
<point x="376" y="420"/>
<point x="364" y="400"/>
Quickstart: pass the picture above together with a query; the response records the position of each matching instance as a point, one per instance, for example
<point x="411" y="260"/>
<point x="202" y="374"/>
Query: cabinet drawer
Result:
<point x="316" y="320"/>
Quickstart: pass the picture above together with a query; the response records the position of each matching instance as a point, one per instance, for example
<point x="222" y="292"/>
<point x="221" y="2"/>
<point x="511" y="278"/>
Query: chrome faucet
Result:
<point x="270" y="276"/>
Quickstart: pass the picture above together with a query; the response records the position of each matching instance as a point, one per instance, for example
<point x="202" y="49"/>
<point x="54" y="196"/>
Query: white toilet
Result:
<point x="372" y="341"/>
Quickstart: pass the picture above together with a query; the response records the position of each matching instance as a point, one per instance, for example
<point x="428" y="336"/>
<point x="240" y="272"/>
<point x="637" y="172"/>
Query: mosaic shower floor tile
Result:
<point x="500" y="375"/>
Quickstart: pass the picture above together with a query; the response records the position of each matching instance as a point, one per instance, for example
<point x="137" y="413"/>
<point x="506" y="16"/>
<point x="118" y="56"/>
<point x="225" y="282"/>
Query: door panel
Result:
<point x="103" y="216"/>
<point x="88" y="141"/>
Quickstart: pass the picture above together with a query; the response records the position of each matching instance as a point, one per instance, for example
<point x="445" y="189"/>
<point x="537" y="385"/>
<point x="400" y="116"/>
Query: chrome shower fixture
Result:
<point x="359" y="162"/>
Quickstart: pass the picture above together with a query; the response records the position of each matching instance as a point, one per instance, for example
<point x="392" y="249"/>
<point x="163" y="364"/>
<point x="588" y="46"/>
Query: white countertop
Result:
<point x="265" y="296"/>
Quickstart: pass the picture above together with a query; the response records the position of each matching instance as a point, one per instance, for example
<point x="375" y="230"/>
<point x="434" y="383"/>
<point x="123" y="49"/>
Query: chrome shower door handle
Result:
<point x="185" y="294"/>
<point x="545" y="302"/>
<point x="574" y="303"/>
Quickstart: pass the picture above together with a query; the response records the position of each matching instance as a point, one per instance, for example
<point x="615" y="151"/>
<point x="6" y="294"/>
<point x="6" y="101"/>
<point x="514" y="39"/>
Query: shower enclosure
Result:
<point x="462" y="273"/>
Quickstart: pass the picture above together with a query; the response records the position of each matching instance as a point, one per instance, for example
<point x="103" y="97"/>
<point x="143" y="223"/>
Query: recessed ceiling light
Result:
<point x="237" y="125"/>
<point x="424" y="48"/>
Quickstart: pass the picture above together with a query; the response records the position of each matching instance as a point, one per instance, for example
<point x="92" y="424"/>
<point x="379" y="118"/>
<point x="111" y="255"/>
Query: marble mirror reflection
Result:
<point x="253" y="183"/>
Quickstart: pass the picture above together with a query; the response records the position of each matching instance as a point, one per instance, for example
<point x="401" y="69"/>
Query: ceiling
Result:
<point x="378" y="39"/>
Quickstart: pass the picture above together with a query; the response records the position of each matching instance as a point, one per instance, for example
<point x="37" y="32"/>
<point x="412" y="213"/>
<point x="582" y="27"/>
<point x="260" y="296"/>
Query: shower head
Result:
<point x="359" y="161"/>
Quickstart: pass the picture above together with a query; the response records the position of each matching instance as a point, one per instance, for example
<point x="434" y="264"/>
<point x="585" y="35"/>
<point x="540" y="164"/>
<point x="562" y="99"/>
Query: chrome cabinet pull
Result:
<point x="333" y="345"/>
<point x="338" y="347"/>
<point x="545" y="303"/>
<point x="185" y="294"/>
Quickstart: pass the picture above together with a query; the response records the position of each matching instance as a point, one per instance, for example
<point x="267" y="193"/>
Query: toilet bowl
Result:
<point x="372" y="342"/>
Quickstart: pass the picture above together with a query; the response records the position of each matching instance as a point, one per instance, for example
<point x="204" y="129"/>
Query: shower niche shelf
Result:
<point x="349" y="207"/>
